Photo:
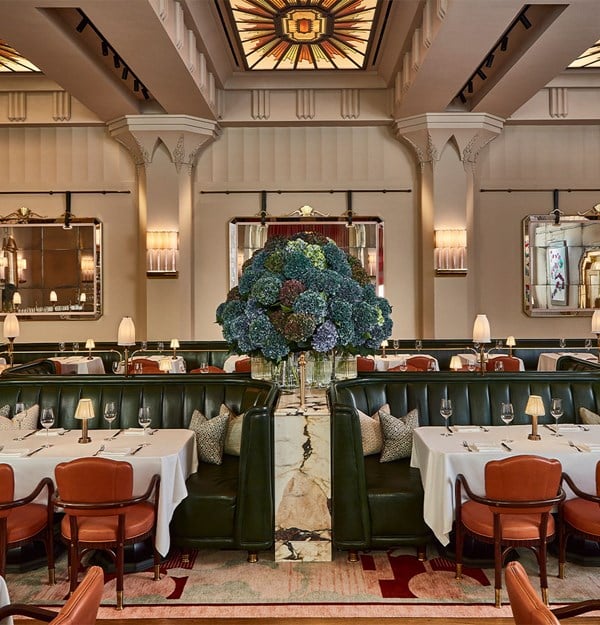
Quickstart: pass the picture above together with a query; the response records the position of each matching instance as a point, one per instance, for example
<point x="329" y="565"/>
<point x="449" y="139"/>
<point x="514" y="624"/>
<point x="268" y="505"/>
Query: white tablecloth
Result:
<point x="229" y="364"/>
<point x="79" y="364"/>
<point x="393" y="360"/>
<point x="547" y="360"/>
<point x="4" y="600"/>
<point x="171" y="453"/>
<point x="471" y="357"/>
<point x="441" y="458"/>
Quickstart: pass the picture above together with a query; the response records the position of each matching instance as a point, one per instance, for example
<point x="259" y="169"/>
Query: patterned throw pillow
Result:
<point x="397" y="435"/>
<point x="370" y="431"/>
<point x="233" y="437"/>
<point x="588" y="417"/>
<point x="26" y="420"/>
<point x="210" y="436"/>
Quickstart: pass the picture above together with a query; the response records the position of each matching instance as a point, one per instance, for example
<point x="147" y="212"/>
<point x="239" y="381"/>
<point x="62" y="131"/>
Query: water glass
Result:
<point x="562" y="343"/>
<point x="556" y="410"/>
<point x="403" y="365"/>
<point x="507" y="414"/>
<point x="19" y="409"/>
<point x="418" y="345"/>
<point x="110" y="414"/>
<point x="75" y="347"/>
<point x="62" y="346"/>
<point x="144" y="417"/>
<point x="47" y="421"/>
<point x="446" y="412"/>
<point x="137" y="368"/>
<point x="498" y="365"/>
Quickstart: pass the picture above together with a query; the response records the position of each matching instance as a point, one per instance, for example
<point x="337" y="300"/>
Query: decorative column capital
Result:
<point x="429" y="133"/>
<point x="183" y="136"/>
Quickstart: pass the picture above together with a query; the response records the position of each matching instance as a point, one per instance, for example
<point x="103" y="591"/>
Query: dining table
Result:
<point x="467" y="450"/>
<point x="78" y="365"/>
<point x="473" y="359"/>
<point x="170" y="453"/>
<point x="547" y="360"/>
<point x="390" y="360"/>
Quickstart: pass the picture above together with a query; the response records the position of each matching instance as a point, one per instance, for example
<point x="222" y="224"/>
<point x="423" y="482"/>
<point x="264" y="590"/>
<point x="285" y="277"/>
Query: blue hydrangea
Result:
<point x="311" y="303"/>
<point x="266" y="289"/>
<point x="325" y="337"/>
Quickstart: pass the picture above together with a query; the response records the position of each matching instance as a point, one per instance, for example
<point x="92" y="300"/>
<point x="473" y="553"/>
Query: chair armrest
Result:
<point x="22" y="609"/>
<point x="578" y="491"/>
<point x="574" y="609"/>
<point x="45" y="482"/>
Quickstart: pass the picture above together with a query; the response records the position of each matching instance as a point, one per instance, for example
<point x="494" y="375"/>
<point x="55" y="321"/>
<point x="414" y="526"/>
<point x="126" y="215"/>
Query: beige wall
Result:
<point x="305" y="158"/>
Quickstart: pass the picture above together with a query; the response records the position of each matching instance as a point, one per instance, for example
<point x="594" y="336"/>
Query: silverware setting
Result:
<point x="116" y="434"/>
<point x="34" y="451"/>
<point x="99" y="450"/>
<point x="507" y="447"/>
<point x="24" y="436"/>
<point x="572" y="444"/>
<point x="137" y="449"/>
<point x="63" y="432"/>
<point x="466" y="445"/>
<point x="484" y="428"/>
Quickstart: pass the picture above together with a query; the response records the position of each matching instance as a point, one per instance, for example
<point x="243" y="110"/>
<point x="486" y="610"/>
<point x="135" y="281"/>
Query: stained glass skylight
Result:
<point x="304" y="34"/>
<point x="590" y="58"/>
<point x="12" y="61"/>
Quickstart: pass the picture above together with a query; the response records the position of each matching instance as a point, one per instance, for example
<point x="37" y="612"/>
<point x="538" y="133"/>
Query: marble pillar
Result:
<point x="302" y="479"/>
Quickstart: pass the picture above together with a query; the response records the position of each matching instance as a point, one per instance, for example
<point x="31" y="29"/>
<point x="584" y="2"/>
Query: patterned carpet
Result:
<point x="383" y="583"/>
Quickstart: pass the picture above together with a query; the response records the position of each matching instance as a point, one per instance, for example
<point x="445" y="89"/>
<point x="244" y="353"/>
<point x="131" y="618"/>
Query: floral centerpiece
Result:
<point x="303" y="293"/>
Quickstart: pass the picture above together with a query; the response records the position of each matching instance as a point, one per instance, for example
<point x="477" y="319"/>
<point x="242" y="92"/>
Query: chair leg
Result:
<point x="252" y="557"/>
<point x="50" y="556"/>
<point x="352" y="556"/>
<point x="120" y="566"/>
<point x="156" y="565"/>
<point x="422" y="553"/>
<point x="497" y="572"/>
<point x="543" y="572"/>
<point x="73" y="566"/>
<point x="562" y="550"/>
<point x="459" y="551"/>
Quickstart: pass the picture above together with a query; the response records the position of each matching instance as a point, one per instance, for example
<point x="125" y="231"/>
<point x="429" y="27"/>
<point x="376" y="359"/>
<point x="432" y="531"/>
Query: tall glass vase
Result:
<point x="318" y="369"/>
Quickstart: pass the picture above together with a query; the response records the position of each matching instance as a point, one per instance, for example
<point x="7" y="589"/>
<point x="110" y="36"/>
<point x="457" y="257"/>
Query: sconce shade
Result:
<point x="535" y="406"/>
<point x="161" y="252"/>
<point x="455" y="363"/>
<point x="83" y="298"/>
<point x="596" y="322"/>
<point x="450" y="251"/>
<point x="481" y="330"/>
<point x="174" y="343"/>
<point x="53" y="296"/>
<point x="510" y="341"/>
<point x="89" y="344"/>
<point x="11" y="326"/>
<point x="85" y="409"/>
<point x="17" y="299"/>
<point x="126" y="334"/>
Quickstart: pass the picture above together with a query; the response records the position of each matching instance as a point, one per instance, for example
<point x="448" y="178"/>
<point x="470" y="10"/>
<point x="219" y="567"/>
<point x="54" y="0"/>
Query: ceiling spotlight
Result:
<point x="523" y="19"/>
<point x="481" y="74"/>
<point x="470" y="86"/>
<point x="104" y="48"/>
<point x="117" y="61"/>
<point x="136" y="85"/>
<point x="84" y="22"/>
<point x="125" y="72"/>
<point x="145" y="93"/>
<point x="504" y="44"/>
<point x="462" y="97"/>
<point x="596" y="208"/>
<point x="489" y="60"/>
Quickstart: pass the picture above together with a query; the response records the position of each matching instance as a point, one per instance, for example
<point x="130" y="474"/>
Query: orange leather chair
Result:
<point x="22" y="521"/>
<point x="407" y="368"/>
<point x="243" y="365"/>
<point x="510" y="363"/>
<point x="529" y="609"/>
<point x="148" y="365"/>
<point x="208" y="369"/>
<point x="515" y="511"/>
<point x="578" y="516"/>
<point x="80" y="609"/>
<point x="420" y="363"/>
<point x="364" y="364"/>
<point x="100" y="512"/>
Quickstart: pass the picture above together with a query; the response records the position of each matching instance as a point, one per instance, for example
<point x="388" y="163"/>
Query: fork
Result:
<point x="466" y="444"/>
<point x="99" y="450"/>
<point x="572" y="444"/>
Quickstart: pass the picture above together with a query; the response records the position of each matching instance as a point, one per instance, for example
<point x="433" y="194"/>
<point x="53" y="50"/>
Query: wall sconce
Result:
<point x="53" y="299"/>
<point x="84" y="412"/>
<point x="11" y="332"/>
<point x="481" y="335"/>
<point x="162" y="250"/>
<point x="450" y="254"/>
<point x="21" y="269"/>
<point x="16" y="301"/>
<point x="87" y="269"/>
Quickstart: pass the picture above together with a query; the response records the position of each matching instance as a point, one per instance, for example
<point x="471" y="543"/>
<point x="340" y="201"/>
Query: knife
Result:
<point x="116" y="434"/>
<point x="136" y="450"/>
<point x="22" y="438"/>
<point x="506" y="446"/>
<point x="34" y="451"/>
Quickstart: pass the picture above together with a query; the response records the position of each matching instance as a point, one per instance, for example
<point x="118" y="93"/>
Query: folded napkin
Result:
<point x="589" y="446"/>
<point x="465" y="428"/>
<point x="116" y="451"/>
<point x="133" y="431"/>
<point x="51" y="432"/>
<point x="13" y="451"/>
<point x="486" y="447"/>
<point x="566" y="427"/>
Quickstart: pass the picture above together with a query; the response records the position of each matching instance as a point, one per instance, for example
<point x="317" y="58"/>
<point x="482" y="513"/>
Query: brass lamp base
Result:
<point x="534" y="436"/>
<point x="84" y="438"/>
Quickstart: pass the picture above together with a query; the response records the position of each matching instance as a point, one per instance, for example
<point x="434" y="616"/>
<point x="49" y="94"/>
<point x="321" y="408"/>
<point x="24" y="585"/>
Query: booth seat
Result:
<point x="378" y="505"/>
<point x="228" y="505"/>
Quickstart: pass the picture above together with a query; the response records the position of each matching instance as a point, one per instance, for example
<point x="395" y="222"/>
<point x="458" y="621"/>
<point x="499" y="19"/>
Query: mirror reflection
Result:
<point x="48" y="271"/>
<point x="561" y="265"/>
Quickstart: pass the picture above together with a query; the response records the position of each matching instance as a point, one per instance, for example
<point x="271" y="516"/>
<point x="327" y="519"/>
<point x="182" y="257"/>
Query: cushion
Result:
<point x="370" y="431"/>
<point x="26" y="420"/>
<point x="588" y="417"/>
<point x="397" y="435"/>
<point x="210" y="436"/>
<point x="233" y="437"/>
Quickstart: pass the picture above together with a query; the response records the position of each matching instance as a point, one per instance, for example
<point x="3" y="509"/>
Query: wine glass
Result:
<point x="588" y="343"/>
<point x="418" y="345"/>
<point x="403" y="365"/>
<point x="47" y="421"/>
<point x="507" y="414"/>
<point x="75" y="347"/>
<point x="446" y="412"/>
<point x="556" y="410"/>
<point x="144" y="417"/>
<point x="431" y="366"/>
<point x="562" y="343"/>
<point x="137" y="368"/>
<point x="19" y="408"/>
<point x="395" y="344"/>
<point x="62" y="346"/>
<point x="110" y="414"/>
<point x="498" y="366"/>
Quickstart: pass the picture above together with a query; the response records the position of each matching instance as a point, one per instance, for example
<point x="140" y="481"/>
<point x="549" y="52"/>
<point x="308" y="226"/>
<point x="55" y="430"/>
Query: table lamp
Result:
<point x="596" y="328"/>
<point x="456" y="363"/>
<point x="164" y="365"/>
<point x="84" y="411"/>
<point x="89" y="345"/>
<point x="481" y="335"/>
<point x="16" y="301"/>
<point x="174" y="347"/>
<point x="535" y="408"/>
<point x="53" y="299"/>
<point x="384" y="344"/>
<point x="11" y="332"/>
<point x="510" y="343"/>
<point x="126" y="338"/>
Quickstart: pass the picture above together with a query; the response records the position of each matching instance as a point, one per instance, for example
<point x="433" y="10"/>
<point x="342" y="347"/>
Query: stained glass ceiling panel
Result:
<point x="12" y="61"/>
<point x="590" y="58"/>
<point x="304" y="34"/>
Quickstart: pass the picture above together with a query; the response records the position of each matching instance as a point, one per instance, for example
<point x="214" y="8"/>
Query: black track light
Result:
<point x="523" y="19"/>
<point x="145" y="93"/>
<point x="489" y="60"/>
<point x="125" y="72"/>
<point x="136" y="85"/>
<point x="104" y="48"/>
<point x="462" y="97"/>
<point x="470" y="86"/>
<point x="481" y="74"/>
<point x="117" y="61"/>
<point x="84" y="22"/>
<point x="504" y="44"/>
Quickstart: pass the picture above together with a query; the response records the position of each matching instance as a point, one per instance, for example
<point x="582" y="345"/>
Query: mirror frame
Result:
<point x="248" y="234"/>
<point x="570" y="297"/>
<point x="89" y="275"/>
